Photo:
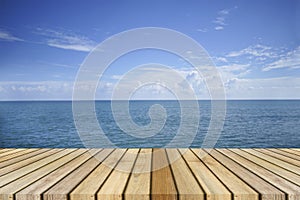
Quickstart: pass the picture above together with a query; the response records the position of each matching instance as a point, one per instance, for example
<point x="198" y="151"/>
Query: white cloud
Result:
<point x="224" y="12"/>
<point x="58" y="64"/>
<point x="116" y="77"/>
<point x="291" y="60"/>
<point x="233" y="71"/>
<point x="220" y="59"/>
<point x="76" y="47"/>
<point x="154" y="91"/>
<point x="258" y="51"/>
<point x="49" y="90"/>
<point x="6" y="36"/>
<point x="197" y="82"/>
<point x="234" y="67"/>
<point x="239" y="87"/>
<point x="203" y="30"/>
<point x="66" y="40"/>
<point x="218" y="28"/>
<point x="236" y="88"/>
<point x="43" y="90"/>
<point x="221" y="18"/>
<point x="38" y="88"/>
<point x="233" y="76"/>
<point x="152" y="81"/>
<point x="269" y="88"/>
<point x="63" y="65"/>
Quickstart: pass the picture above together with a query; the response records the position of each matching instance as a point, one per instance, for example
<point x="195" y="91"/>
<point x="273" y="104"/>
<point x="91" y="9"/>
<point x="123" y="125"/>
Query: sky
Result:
<point x="255" y="45"/>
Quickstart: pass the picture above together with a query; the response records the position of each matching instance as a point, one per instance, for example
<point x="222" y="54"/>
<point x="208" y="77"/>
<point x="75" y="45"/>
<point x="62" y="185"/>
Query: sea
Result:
<point x="247" y="124"/>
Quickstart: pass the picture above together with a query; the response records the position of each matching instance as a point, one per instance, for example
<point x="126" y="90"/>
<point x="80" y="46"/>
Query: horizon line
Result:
<point x="70" y="100"/>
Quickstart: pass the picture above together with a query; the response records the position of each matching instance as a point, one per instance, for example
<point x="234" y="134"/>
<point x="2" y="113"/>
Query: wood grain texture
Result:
<point x="10" y="189"/>
<point x="114" y="186"/>
<point x="4" y="150"/>
<point x="140" y="180"/>
<point x="187" y="185"/>
<point x="213" y="188"/>
<point x="237" y="186"/>
<point x="17" y="165"/>
<point x="280" y="156"/>
<point x="296" y="149"/>
<point x="274" y="161"/>
<point x="16" y="154"/>
<point x="289" y="153"/>
<point x="21" y="158"/>
<point x="90" y="174"/>
<point x="88" y="188"/>
<point x="13" y="175"/>
<point x="292" y="190"/>
<point x="12" y="153"/>
<point x="34" y="190"/>
<point x="264" y="188"/>
<point x="289" y="175"/>
<point x="163" y="185"/>
<point x="65" y="186"/>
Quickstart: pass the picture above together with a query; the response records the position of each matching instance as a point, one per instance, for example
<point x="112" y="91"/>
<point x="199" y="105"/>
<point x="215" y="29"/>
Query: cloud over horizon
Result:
<point x="290" y="60"/>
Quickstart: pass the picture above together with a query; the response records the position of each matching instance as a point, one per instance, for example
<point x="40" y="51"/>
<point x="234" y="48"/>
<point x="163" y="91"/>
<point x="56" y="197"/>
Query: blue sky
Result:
<point x="254" y="44"/>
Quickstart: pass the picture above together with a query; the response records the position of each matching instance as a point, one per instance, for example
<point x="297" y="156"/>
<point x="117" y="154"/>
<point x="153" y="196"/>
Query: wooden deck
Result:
<point x="81" y="174"/>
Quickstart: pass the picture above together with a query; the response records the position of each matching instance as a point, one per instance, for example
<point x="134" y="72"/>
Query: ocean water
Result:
<point x="253" y="123"/>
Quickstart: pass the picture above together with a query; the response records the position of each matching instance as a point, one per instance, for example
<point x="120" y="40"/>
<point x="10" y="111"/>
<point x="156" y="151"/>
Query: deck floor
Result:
<point x="50" y="174"/>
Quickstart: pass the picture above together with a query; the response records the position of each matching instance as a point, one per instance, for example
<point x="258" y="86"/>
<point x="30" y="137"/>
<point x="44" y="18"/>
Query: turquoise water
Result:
<point x="259" y="123"/>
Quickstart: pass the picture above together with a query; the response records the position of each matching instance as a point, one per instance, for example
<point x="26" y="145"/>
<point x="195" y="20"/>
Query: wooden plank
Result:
<point x="13" y="167"/>
<point x="286" y="153"/>
<point x="295" y="149"/>
<point x="64" y="187"/>
<point x="21" y="158"/>
<point x="15" y="155"/>
<point x="12" y="153"/>
<point x="88" y="188"/>
<point x="115" y="184"/>
<point x="265" y="189"/>
<point x="284" y="185"/>
<point x="280" y="156"/>
<point x="8" y="191"/>
<point x="270" y="166"/>
<point x="187" y="185"/>
<point x="292" y="151"/>
<point x="35" y="190"/>
<point x="213" y="188"/>
<point x="162" y="183"/>
<point x="140" y="180"/>
<point x="5" y="179"/>
<point x="4" y="150"/>
<point x="275" y="161"/>
<point x="238" y="187"/>
<point x="222" y="174"/>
